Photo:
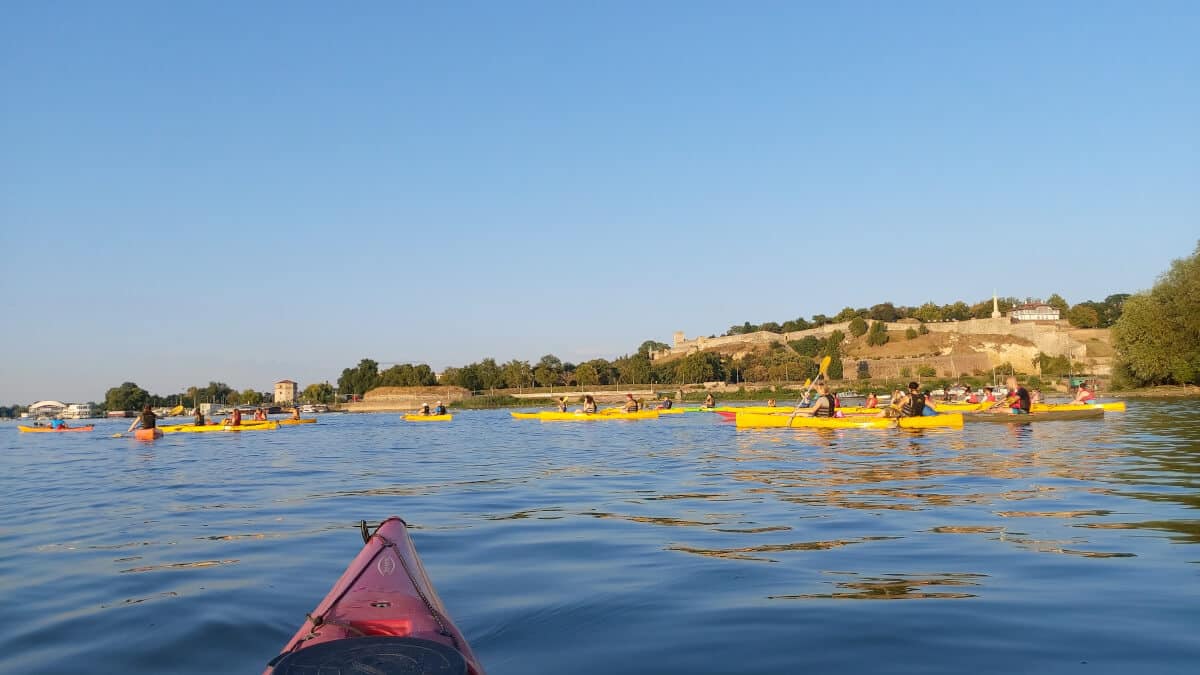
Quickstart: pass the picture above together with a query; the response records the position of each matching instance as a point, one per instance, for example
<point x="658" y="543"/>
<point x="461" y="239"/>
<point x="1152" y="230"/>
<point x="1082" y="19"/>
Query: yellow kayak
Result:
<point x="213" y="428"/>
<point x="669" y="411"/>
<point x="428" y="418"/>
<point x="302" y="420"/>
<point x="767" y="420"/>
<point x="1110" y="406"/>
<point x="580" y="417"/>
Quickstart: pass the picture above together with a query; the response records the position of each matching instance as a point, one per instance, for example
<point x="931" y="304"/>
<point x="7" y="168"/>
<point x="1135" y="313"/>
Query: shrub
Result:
<point x="910" y="334"/>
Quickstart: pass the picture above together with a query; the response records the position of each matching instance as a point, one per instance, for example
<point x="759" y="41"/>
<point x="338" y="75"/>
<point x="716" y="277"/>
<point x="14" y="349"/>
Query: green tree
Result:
<point x="846" y="314"/>
<point x="586" y="375"/>
<point x="700" y="367"/>
<point x="548" y="371"/>
<point x="251" y="397"/>
<point x="884" y="311"/>
<point x="809" y="345"/>
<point x="359" y="379"/>
<point x="1112" y="309"/>
<point x="819" y="320"/>
<point x="128" y="396"/>
<point x="1158" y="335"/>
<point x="650" y="346"/>
<point x="864" y="370"/>
<point x="233" y="398"/>
<point x="1058" y="302"/>
<point x="910" y="333"/>
<point x="928" y="312"/>
<point x="857" y="326"/>
<point x="795" y="325"/>
<point x="878" y="335"/>
<point x="490" y="376"/>
<point x="923" y="329"/>
<point x="517" y="374"/>
<point x="317" y="393"/>
<point x="1083" y="316"/>
<point x="772" y="327"/>
<point x="633" y="369"/>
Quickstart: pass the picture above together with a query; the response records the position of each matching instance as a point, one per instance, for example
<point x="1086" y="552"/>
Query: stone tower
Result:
<point x="995" y="306"/>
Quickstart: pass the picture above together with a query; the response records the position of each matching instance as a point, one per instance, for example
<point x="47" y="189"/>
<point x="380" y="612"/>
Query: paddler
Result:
<point x="235" y="418"/>
<point x="562" y="404"/>
<point x="666" y="403"/>
<point x="260" y="415"/>
<point x="1019" y="401"/>
<point x="631" y="406"/>
<point x="915" y="401"/>
<point x="989" y="395"/>
<point x="424" y="410"/>
<point x="147" y="419"/>
<point x="1084" y="395"/>
<point x="709" y="401"/>
<point x="58" y="423"/>
<point x="198" y="420"/>
<point x="296" y="412"/>
<point x="1035" y="396"/>
<point x="589" y="404"/>
<point x="896" y="407"/>
<point x="872" y="400"/>
<point x="770" y="403"/>
<point x="825" y="405"/>
<point x="439" y="409"/>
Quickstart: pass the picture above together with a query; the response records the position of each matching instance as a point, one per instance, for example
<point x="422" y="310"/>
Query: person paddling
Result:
<point x="631" y="406"/>
<point x="296" y="412"/>
<point x="235" y="418"/>
<point x="147" y="419"/>
<point x="1019" y="401"/>
<point x="589" y="404"/>
<point x="1084" y="395"/>
<point x="825" y="404"/>
<point x="424" y="410"/>
<point x="439" y="409"/>
<point x="198" y="420"/>
<point x="562" y="404"/>
<point x="872" y="400"/>
<point x="666" y="403"/>
<point x="58" y="423"/>
<point x="915" y="401"/>
<point x="709" y="401"/>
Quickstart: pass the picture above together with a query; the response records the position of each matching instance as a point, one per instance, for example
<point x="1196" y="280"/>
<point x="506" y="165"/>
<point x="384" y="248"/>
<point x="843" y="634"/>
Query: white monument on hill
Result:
<point x="995" y="306"/>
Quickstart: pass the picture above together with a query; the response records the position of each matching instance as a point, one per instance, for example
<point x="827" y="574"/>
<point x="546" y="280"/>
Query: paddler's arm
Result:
<point x="135" y="423"/>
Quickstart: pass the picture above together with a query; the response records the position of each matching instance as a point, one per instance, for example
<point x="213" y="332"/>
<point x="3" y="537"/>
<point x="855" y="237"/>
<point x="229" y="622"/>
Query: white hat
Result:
<point x="438" y="403"/>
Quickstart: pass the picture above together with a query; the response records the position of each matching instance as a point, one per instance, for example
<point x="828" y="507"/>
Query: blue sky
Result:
<point x="251" y="191"/>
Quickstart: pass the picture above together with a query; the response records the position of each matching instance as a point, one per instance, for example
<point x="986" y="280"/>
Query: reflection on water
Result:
<point x="683" y="543"/>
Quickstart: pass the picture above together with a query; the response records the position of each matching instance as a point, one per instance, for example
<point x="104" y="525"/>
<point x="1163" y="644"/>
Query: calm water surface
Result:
<point x="673" y="546"/>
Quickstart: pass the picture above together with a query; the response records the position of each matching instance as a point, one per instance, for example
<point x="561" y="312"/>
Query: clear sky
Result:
<point x="244" y="192"/>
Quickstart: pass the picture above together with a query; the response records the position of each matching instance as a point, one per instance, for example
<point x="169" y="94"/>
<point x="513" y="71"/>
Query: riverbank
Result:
<point x="1162" y="391"/>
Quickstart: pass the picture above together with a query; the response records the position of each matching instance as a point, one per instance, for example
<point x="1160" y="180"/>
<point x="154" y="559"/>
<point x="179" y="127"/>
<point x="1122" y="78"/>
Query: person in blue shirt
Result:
<point x="439" y="409"/>
<point x="57" y="423"/>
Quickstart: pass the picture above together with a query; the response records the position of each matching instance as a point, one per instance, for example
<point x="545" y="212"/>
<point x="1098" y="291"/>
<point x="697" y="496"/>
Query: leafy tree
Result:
<point x="548" y="371"/>
<point x="1112" y="309"/>
<point x="884" y="311"/>
<point x="959" y="311"/>
<point x="1058" y="302"/>
<point x="846" y="314"/>
<point x="490" y="376"/>
<point x="834" y="341"/>
<point x="857" y="326"/>
<point x="1158" y="335"/>
<point x="633" y="369"/>
<point x="252" y="397"/>
<point x="128" y="396"/>
<point x="517" y="374"/>
<point x="1083" y="316"/>
<point x="926" y="371"/>
<point x="650" y="346"/>
<point x="809" y="345"/>
<point x="795" y="325"/>
<point x="819" y="320"/>
<point x="910" y="334"/>
<point x="771" y="327"/>
<point x="700" y="367"/>
<point x="586" y="375"/>
<point x="233" y="398"/>
<point x="878" y="335"/>
<point x="928" y="312"/>
<point x="836" y="367"/>
<point x="923" y="329"/>
<point x="318" y="393"/>
<point x="359" y="379"/>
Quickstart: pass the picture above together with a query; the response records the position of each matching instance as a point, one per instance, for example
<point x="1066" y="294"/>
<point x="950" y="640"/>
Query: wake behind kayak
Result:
<point x="382" y="616"/>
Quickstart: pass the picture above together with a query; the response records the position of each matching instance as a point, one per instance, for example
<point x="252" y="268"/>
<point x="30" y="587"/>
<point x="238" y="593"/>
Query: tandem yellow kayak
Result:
<point x="767" y="420"/>
<point x="581" y="417"/>
<point x="213" y="428"/>
<point x="290" y="422"/>
<point x="428" y="418"/>
<point x="1109" y="406"/>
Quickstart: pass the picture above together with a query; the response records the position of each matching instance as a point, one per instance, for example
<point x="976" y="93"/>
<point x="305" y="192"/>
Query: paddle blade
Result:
<point x="824" y="369"/>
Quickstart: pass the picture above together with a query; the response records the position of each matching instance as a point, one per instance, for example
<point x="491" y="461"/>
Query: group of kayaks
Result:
<point x="950" y="415"/>
<point x="158" y="431"/>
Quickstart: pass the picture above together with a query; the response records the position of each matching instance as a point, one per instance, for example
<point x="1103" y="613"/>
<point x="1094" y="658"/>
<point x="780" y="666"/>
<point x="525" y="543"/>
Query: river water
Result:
<point x="680" y="545"/>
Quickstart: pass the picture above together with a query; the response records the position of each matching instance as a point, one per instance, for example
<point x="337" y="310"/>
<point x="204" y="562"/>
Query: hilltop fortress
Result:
<point x="952" y="347"/>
